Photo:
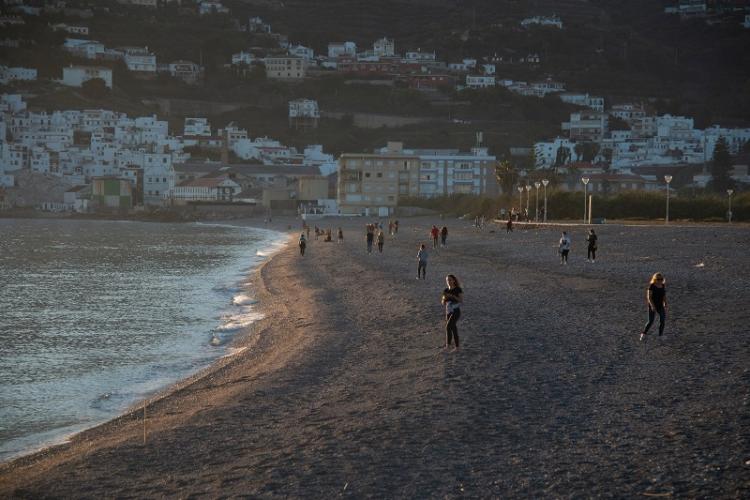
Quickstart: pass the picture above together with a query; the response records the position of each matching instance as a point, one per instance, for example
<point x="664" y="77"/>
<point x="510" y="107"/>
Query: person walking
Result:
<point x="381" y="240"/>
<point x="656" y="298"/>
<point x="443" y="235"/>
<point x="302" y="244"/>
<point x="564" y="248"/>
<point x="434" y="233"/>
<point x="422" y="262"/>
<point x="452" y="298"/>
<point x="509" y="225"/>
<point x="395" y="228"/>
<point x="591" y="239"/>
<point x="341" y="235"/>
<point x="369" y="237"/>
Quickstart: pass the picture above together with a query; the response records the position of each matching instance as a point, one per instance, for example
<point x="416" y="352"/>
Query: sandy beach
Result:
<point x="344" y="391"/>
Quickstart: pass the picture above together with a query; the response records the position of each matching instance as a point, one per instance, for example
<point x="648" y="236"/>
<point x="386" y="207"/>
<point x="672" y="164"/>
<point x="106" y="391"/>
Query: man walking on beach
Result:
<point x="434" y="233"/>
<point x="591" y="239"/>
<point x="370" y="236"/>
<point x="564" y="248"/>
<point x="381" y="240"/>
<point x="302" y="244"/>
<point x="341" y="235"/>
<point x="443" y="235"/>
<point x="422" y="262"/>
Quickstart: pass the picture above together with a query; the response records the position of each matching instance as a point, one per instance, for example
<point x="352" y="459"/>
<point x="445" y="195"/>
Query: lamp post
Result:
<point x="545" y="182"/>
<point x="528" y="195"/>
<point x="667" y="179"/>
<point x="536" y="201"/>
<point x="585" y="181"/>
<point x="520" y="201"/>
<point x="730" y="192"/>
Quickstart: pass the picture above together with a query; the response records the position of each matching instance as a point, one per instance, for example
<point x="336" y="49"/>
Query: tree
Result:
<point x="720" y="166"/>
<point x="506" y="175"/>
<point x="95" y="88"/>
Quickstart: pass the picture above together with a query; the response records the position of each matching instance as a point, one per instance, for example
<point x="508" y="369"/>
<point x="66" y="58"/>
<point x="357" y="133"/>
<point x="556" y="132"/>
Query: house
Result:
<point x="8" y="75"/>
<point x="301" y="51"/>
<point x="139" y="59"/>
<point x="187" y="71"/>
<point x="197" y="127"/>
<point x="479" y="81"/>
<point x="628" y="112"/>
<point x="384" y="47"/>
<point x="76" y="76"/>
<point x="243" y="58"/>
<point x="73" y="30"/>
<point x="88" y="49"/>
<point x="285" y="68"/>
<point x="77" y="198"/>
<point x="418" y="55"/>
<point x="588" y="101"/>
<point x="256" y="25"/>
<point x="587" y="126"/>
<point x="556" y="152"/>
<point x="553" y="21"/>
<point x="204" y="189"/>
<point x="303" y="113"/>
<point x="338" y="49"/>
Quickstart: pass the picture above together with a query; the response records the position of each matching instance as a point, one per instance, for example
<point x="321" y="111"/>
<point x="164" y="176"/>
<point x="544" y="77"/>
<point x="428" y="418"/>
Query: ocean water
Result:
<point x="96" y="315"/>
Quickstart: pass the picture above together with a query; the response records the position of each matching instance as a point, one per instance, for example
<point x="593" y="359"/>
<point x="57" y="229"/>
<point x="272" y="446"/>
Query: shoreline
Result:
<point x="346" y="392"/>
<point x="238" y="342"/>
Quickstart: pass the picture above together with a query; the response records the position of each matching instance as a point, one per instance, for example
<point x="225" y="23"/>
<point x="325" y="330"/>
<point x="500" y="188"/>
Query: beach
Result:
<point x="343" y="389"/>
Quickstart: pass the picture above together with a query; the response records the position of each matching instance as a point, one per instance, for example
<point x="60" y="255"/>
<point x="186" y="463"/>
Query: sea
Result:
<point x="98" y="315"/>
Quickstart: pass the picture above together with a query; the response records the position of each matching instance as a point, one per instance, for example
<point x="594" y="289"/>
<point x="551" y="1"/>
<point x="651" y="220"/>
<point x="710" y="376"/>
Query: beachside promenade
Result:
<point x="344" y="391"/>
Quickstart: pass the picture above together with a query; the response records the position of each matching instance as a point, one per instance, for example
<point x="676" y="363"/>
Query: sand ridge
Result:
<point x="344" y="391"/>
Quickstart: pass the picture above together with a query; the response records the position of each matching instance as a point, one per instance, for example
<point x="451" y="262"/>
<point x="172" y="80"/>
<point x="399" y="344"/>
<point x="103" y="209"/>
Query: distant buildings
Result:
<point x="553" y="21"/>
<point x="303" y="113"/>
<point x="384" y="47"/>
<point x="8" y="75"/>
<point x="592" y="102"/>
<point x="139" y="59"/>
<point x="285" y="68"/>
<point x="338" y="49"/>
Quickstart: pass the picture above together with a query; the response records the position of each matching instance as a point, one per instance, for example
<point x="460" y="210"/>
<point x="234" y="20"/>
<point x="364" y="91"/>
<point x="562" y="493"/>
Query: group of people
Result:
<point x="565" y="246"/>
<point x="436" y="233"/>
<point x="326" y="234"/>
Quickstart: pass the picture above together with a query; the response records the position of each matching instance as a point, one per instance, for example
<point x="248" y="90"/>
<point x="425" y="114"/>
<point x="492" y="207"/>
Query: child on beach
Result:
<point x="422" y="262"/>
<point x="302" y="244"/>
<point x="591" y="239"/>
<point x="452" y="298"/>
<point x="656" y="298"/>
<point x="564" y="248"/>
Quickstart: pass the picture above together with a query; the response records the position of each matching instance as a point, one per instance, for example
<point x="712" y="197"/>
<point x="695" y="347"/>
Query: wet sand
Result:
<point x="343" y="389"/>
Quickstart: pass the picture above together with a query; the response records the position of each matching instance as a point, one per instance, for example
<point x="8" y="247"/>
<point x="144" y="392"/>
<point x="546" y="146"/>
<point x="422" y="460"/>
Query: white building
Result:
<point x="256" y="25"/>
<point x="139" y="59"/>
<point x="746" y="24"/>
<point x="479" y="81"/>
<point x="75" y="76"/>
<point x="12" y="103"/>
<point x="211" y="7"/>
<point x="419" y="56"/>
<point x="8" y="75"/>
<point x="546" y="153"/>
<point x="384" y="47"/>
<point x="589" y="126"/>
<point x="158" y="178"/>
<point x="302" y="52"/>
<point x="585" y="100"/>
<point x="187" y="71"/>
<point x="337" y="49"/>
<point x="197" y="127"/>
<point x="303" y="108"/>
<point x="88" y="49"/>
<point x="285" y="68"/>
<point x="543" y="21"/>
<point x="243" y="58"/>
<point x="628" y="112"/>
<point x="205" y="189"/>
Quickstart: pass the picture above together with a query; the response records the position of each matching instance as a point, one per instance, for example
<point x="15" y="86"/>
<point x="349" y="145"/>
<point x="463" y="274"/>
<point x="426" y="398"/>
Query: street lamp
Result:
<point x="528" y="195"/>
<point x="545" y="182"/>
<point x="520" y="201"/>
<point x="667" y="179"/>
<point x="729" y="212"/>
<point x="585" y="181"/>
<point x="536" y="201"/>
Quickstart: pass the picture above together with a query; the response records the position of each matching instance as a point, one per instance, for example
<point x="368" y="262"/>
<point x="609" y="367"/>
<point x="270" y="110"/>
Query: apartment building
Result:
<point x="76" y="76"/>
<point x="285" y="68"/>
<point x="587" y="126"/>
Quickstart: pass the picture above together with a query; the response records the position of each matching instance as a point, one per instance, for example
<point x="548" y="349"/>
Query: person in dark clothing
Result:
<point x="591" y="239"/>
<point x="443" y="235"/>
<point x="434" y="233"/>
<point x="302" y="244"/>
<point x="452" y="298"/>
<point x="381" y="240"/>
<point x="422" y="262"/>
<point x="656" y="298"/>
<point x="370" y="236"/>
<point x="509" y="225"/>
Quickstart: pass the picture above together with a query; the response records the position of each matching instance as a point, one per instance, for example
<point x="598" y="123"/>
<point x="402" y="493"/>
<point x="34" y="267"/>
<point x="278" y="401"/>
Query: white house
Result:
<point x="543" y="21"/>
<point x="243" y="58"/>
<point x="89" y="49"/>
<point x="301" y="51"/>
<point x="12" y="103"/>
<point x="158" y="178"/>
<point x="197" y="127"/>
<point x="384" y="47"/>
<point x="585" y="100"/>
<point x="8" y="75"/>
<point x="187" y="71"/>
<point x="337" y="49"/>
<point x="304" y="108"/>
<point x="587" y="126"/>
<point x="545" y="153"/>
<point x="479" y="81"/>
<point x="139" y="59"/>
<point x="419" y="56"/>
<point x="75" y="76"/>
<point x="212" y="7"/>
<point x="205" y="189"/>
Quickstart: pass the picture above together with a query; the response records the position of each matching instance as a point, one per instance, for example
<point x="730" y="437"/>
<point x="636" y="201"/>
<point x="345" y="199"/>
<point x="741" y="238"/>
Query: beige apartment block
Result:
<point x="285" y="68"/>
<point x="371" y="184"/>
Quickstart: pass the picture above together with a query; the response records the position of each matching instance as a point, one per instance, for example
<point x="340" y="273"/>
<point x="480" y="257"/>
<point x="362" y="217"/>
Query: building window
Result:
<point x="379" y="174"/>
<point x="367" y="174"/>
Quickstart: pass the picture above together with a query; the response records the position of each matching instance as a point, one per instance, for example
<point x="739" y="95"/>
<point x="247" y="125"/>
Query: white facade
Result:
<point x="479" y="81"/>
<point x="337" y="49"/>
<point x="89" y="49"/>
<point x="158" y="178"/>
<point x="197" y="127"/>
<point x="304" y="108"/>
<point x="8" y="74"/>
<point x="628" y="112"/>
<point x="140" y="60"/>
<point x="243" y="58"/>
<point x="212" y="7"/>
<point x="415" y="56"/>
<point x="384" y="47"/>
<point x="587" y="126"/>
<point x="585" y="100"/>
<point x="545" y="153"/>
<point x="285" y="68"/>
<point x="301" y="51"/>
<point x="12" y="103"/>
<point x="75" y="76"/>
<point x="543" y="21"/>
